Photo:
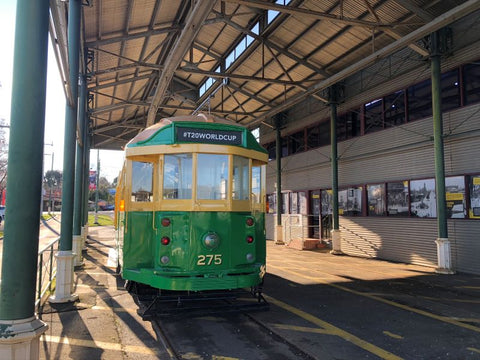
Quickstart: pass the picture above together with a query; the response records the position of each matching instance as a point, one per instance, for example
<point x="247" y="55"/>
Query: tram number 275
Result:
<point x="210" y="259"/>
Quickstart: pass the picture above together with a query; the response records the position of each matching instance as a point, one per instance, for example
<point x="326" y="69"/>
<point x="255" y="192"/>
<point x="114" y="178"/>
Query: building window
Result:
<point x="395" y="109"/>
<point x="397" y="198"/>
<point x="471" y="81"/>
<point x="450" y="90"/>
<point x="374" y="116"/>
<point x="422" y="198"/>
<point x="272" y="204"/>
<point x="420" y="100"/>
<point x="348" y="125"/>
<point x="376" y="200"/>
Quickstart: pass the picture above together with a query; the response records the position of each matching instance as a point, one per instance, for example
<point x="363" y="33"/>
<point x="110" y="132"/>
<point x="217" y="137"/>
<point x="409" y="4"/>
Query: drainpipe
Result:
<point x="20" y="328"/>
<point x="336" y="234"/>
<point x="443" y="244"/>
<point x="64" y="280"/>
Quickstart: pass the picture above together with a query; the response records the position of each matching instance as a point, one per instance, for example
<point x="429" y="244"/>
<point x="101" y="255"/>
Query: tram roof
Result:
<point x="243" y="60"/>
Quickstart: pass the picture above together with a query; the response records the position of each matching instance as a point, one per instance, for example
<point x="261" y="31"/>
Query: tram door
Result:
<point x="314" y="215"/>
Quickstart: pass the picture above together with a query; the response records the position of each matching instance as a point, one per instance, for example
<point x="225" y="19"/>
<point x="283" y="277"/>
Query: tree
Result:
<point x="3" y="155"/>
<point x="52" y="179"/>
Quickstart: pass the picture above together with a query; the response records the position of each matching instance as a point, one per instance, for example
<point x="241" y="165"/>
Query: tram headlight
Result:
<point x="250" y="257"/>
<point x="211" y="240"/>
<point x="165" y="259"/>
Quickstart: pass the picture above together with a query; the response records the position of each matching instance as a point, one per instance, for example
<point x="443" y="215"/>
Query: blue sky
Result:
<point x="111" y="161"/>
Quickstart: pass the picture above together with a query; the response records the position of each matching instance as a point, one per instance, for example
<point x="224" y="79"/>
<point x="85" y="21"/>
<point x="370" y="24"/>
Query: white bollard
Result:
<point x="444" y="256"/>
<point x="336" y="242"/>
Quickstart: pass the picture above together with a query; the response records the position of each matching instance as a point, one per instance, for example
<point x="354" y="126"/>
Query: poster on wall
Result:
<point x="455" y="197"/>
<point x="474" y="185"/>
<point x="423" y="201"/>
<point x="397" y="198"/>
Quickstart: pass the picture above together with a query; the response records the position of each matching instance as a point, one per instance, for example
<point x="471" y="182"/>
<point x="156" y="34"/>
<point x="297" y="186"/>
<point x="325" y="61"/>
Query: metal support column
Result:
<point x="86" y="179"/>
<point x="278" y="155"/>
<point x="64" y="281"/>
<point x="79" y="170"/>
<point x="336" y="234"/>
<point x="443" y="244"/>
<point x="20" y="328"/>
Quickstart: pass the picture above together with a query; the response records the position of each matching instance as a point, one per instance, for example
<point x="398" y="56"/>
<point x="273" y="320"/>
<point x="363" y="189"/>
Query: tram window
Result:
<point x="212" y="177"/>
<point x="257" y="183"/>
<point x="177" y="176"/>
<point x="240" y="178"/>
<point x="142" y="181"/>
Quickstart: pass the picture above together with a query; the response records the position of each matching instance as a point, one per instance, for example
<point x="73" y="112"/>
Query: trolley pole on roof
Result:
<point x="336" y="234"/>
<point x="20" y="328"/>
<point x="278" y="155"/>
<point x="443" y="244"/>
<point x="64" y="280"/>
<point x="77" y="245"/>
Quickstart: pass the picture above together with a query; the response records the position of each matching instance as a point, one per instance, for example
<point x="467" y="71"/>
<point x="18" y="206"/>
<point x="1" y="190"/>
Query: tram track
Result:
<point x="243" y="336"/>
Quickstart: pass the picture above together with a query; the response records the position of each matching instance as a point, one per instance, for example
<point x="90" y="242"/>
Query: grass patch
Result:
<point x="103" y="220"/>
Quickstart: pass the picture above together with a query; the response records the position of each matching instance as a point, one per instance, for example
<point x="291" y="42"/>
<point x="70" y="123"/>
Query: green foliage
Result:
<point x="103" y="220"/>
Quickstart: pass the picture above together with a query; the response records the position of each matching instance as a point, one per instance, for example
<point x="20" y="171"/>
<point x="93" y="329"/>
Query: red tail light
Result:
<point x="165" y="222"/>
<point x="250" y="221"/>
<point x="249" y="239"/>
<point x="165" y="240"/>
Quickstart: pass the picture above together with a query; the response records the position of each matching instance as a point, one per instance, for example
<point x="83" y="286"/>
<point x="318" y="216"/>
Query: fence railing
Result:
<point x="47" y="269"/>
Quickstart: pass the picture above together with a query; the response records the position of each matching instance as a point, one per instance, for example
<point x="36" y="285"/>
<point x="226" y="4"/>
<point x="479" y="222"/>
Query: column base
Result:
<point x="443" y="257"/>
<point x="77" y="251"/>
<point x="279" y="235"/>
<point x="20" y="339"/>
<point x="336" y="243"/>
<point x="84" y="236"/>
<point x="64" y="280"/>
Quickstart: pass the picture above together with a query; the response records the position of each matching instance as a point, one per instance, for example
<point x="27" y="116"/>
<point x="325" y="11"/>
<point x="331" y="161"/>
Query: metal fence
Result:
<point x="47" y="269"/>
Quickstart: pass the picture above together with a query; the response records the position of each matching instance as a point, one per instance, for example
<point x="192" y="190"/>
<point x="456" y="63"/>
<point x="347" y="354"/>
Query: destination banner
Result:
<point x="209" y="136"/>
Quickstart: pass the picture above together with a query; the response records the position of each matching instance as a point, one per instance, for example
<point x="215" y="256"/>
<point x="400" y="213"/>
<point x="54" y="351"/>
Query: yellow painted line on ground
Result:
<point x="144" y="350"/>
<point x="302" y="329"/>
<point x="466" y="319"/>
<point x="385" y="301"/>
<point x="468" y="287"/>
<point x="392" y="335"/>
<point x="333" y="330"/>
<point x="453" y="300"/>
<point x="474" y="349"/>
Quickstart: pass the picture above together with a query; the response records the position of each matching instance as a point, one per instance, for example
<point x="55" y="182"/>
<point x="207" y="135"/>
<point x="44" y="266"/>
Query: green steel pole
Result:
<point x="96" y="187"/>
<point x="278" y="155"/>
<point x="70" y="127"/>
<point x="25" y="156"/>
<point x="334" y="160"/>
<point x="87" y="173"/>
<point x="438" y="139"/>
<point x="77" y="214"/>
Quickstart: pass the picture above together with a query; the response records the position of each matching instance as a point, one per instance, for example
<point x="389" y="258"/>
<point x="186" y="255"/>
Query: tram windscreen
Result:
<point x="177" y="176"/>
<point x="142" y="181"/>
<point x="241" y="178"/>
<point x="212" y="177"/>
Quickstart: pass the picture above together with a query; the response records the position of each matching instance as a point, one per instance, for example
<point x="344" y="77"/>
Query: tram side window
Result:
<point x="142" y="181"/>
<point x="240" y="178"/>
<point x="212" y="177"/>
<point x="177" y="176"/>
<point x="257" y="176"/>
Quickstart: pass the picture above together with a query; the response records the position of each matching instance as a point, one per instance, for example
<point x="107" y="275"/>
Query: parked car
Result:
<point x="2" y="213"/>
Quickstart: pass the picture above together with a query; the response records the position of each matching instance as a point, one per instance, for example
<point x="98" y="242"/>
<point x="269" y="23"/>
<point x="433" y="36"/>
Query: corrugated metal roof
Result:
<point x="242" y="63"/>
